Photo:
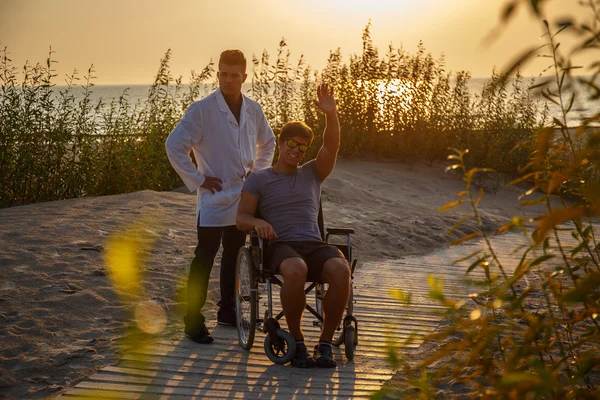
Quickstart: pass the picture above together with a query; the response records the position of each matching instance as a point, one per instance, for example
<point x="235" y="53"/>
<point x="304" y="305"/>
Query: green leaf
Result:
<point x="541" y="259"/>
<point x="380" y="394"/>
<point x="538" y="85"/>
<point x="516" y="379"/>
<point x="570" y="103"/>
<point x="523" y="178"/>
<point x="521" y="59"/>
<point x="475" y="264"/>
<point x="585" y="286"/>
<point x="458" y="224"/>
<point x="535" y="5"/>
<point x="504" y="228"/>
<point x="565" y="25"/>
<point x="466" y="238"/>
<point x="451" y="205"/>
<point x="580" y="247"/>
<point x="452" y="167"/>
<point x="479" y="198"/>
<point x="520" y="270"/>
<point x="466" y="257"/>
<point x="559" y="123"/>
<point x="474" y="171"/>
<point x="401" y="296"/>
<point x="542" y="139"/>
<point x="587" y="362"/>
<point x="532" y="202"/>
<point x="550" y="99"/>
<point x="508" y="11"/>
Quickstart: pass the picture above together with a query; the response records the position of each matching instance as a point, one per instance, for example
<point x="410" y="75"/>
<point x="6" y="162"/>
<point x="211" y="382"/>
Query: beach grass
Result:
<point x="59" y="144"/>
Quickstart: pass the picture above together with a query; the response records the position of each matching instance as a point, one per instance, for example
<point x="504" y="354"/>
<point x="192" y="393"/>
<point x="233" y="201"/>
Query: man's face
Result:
<point x="293" y="150"/>
<point x="231" y="78"/>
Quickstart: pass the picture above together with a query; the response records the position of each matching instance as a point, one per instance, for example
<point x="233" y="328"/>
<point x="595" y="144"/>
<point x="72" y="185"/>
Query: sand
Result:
<point x="61" y="319"/>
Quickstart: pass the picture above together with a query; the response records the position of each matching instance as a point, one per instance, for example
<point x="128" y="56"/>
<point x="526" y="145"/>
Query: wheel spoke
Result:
<point x="245" y="298"/>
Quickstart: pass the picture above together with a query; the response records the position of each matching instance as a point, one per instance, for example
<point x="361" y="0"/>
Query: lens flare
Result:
<point x="150" y="317"/>
<point x="125" y="257"/>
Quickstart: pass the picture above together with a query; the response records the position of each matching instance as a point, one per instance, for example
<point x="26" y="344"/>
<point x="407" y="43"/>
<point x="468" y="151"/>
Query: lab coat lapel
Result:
<point x="244" y="112"/>
<point x="224" y="108"/>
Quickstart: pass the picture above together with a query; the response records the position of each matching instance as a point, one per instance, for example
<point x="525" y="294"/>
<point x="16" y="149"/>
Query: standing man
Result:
<point x="230" y="138"/>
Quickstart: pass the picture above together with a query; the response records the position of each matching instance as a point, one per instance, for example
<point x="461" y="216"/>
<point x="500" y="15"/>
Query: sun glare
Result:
<point x="396" y="88"/>
<point x="393" y="96"/>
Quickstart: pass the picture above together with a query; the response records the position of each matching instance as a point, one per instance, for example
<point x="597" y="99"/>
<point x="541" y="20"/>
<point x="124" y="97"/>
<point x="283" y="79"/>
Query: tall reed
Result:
<point x="60" y="144"/>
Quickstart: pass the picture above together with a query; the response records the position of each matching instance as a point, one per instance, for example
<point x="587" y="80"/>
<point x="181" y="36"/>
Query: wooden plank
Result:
<point x="157" y="363"/>
<point x="217" y="391"/>
<point x="79" y="393"/>
<point x="317" y="380"/>
<point x="165" y="373"/>
<point x="179" y="368"/>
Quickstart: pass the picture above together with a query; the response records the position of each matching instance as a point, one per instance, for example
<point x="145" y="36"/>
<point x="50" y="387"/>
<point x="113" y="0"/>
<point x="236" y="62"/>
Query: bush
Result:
<point x="531" y="330"/>
<point x="60" y="145"/>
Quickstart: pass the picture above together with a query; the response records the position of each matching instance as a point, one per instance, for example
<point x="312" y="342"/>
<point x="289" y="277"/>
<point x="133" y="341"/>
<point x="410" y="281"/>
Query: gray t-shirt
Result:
<point x="290" y="203"/>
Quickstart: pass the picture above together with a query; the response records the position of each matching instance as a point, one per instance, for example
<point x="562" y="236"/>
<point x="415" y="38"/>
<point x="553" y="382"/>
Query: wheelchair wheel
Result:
<point x="245" y="298"/>
<point x="283" y="351"/>
<point x="350" y="341"/>
<point x="338" y="335"/>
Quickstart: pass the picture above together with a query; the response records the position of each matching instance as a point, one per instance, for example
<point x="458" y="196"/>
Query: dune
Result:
<point x="61" y="319"/>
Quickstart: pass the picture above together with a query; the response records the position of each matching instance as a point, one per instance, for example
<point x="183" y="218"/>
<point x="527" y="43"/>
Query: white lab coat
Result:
<point x="222" y="149"/>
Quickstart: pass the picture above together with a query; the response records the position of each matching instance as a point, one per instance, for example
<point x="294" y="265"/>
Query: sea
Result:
<point x="582" y="107"/>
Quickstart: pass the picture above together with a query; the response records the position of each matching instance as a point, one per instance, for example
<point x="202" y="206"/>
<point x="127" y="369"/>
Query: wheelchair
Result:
<point x="252" y="274"/>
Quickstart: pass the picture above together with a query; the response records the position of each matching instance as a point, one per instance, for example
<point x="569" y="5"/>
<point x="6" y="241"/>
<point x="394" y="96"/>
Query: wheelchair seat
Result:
<point x="252" y="271"/>
<point x="325" y="234"/>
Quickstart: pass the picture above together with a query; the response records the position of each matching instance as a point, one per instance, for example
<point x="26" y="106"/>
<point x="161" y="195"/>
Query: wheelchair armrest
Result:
<point x="256" y="240"/>
<point x="340" y="231"/>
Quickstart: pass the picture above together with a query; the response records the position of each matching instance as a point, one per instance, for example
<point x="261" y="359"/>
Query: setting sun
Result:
<point x="392" y="95"/>
<point x="141" y="31"/>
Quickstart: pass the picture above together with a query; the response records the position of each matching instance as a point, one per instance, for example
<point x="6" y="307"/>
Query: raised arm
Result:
<point x="331" y="137"/>
<point x="246" y="219"/>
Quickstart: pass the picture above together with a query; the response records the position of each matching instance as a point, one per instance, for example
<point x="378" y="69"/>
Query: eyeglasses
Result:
<point x="292" y="144"/>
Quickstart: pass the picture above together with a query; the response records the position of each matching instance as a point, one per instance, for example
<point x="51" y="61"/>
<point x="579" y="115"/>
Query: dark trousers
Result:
<point x="209" y="240"/>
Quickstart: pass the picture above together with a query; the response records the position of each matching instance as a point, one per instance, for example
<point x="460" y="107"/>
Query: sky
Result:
<point x="125" y="39"/>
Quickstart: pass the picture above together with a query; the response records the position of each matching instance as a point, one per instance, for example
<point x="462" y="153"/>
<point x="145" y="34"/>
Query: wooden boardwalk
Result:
<point x="180" y="368"/>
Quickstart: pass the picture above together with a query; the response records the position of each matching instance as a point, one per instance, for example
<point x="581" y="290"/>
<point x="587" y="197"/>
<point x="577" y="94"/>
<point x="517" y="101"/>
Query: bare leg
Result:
<point x="336" y="272"/>
<point x="293" y="298"/>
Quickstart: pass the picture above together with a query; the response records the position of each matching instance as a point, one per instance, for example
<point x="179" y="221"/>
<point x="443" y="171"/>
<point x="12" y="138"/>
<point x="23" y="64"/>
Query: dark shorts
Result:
<point x="314" y="254"/>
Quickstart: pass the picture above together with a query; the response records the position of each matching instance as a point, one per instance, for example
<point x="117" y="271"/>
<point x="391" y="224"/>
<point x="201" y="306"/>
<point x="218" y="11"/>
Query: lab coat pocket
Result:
<point x="230" y="193"/>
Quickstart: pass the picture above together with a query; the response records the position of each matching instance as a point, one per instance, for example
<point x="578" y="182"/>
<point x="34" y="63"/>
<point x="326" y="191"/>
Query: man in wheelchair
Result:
<point x="287" y="197"/>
